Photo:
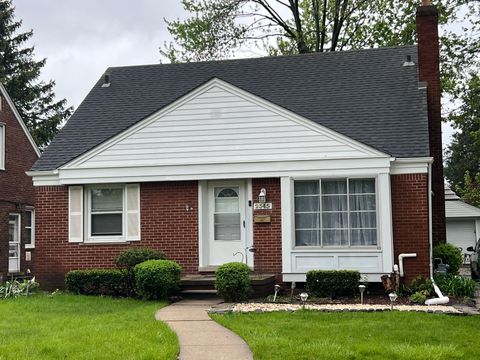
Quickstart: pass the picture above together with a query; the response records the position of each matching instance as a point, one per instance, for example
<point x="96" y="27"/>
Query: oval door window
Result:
<point x="226" y="215"/>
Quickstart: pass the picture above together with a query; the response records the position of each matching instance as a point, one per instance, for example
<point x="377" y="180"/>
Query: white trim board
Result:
<point x="19" y="119"/>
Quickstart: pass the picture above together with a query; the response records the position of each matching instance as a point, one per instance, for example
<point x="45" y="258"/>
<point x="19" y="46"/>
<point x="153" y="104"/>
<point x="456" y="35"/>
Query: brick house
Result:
<point x="316" y="161"/>
<point x="18" y="152"/>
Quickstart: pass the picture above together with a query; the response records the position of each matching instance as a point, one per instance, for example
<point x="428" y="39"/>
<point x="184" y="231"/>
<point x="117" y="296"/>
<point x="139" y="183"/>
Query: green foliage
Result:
<point x="129" y="258"/>
<point x="157" y="279"/>
<point x="332" y="283"/>
<point x="463" y="154"/>
<point x="450" y="255"/>
<point x="110" y="282"/>
<point x="14" y="288"/>
<point x="20" y="72"/>
<point x="233" y="281"/>
<point x="454" y="285"/>
<point x="418" y="285"/>
<point x="419" y="297"/>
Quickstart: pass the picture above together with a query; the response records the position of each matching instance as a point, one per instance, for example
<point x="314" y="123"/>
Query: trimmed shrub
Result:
<point x="129" y="258"/>
<point x="157" y="279"/>
<point x="233" y="282"/>
<point x="454" y="285"/>
<point x="97" y="282"/>
<point x="332" y="283"/>
<point x="450" y="255"/>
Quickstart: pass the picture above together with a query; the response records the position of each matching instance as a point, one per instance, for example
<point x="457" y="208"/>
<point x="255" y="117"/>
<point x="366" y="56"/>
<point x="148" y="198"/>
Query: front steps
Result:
<point x="204" y="285"/>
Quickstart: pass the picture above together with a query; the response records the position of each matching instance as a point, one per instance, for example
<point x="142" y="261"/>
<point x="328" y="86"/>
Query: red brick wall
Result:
<point x="165" y="224"/>
<point x="410" y="222"/>
<point x="16" y="188"/>
<point x="267" y="237"/>
<point x="429" y="72"/>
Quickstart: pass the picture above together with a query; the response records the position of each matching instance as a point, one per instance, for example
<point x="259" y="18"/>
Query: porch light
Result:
<point x="304" y="297"/>
<point x="393" y="297"/>
<point x="362" y="290"/>
<point x="262" y="197"/>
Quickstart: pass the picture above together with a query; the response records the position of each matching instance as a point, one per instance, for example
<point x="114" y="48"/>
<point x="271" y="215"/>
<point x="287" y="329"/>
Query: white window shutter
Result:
<point x="133" y="211"/>
<point x="75" y="214"/>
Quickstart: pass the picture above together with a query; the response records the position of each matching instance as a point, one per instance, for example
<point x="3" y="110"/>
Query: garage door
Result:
<point x="461" y="233"/>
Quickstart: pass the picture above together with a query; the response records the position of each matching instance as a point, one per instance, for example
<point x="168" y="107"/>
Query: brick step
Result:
<point x="262" y="285"/>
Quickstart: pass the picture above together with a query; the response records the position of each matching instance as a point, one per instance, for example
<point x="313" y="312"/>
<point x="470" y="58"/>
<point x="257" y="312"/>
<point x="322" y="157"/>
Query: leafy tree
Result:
<point x="218" y="29"/>
<point x="463" y="155"/>
<point x="19" y="73"/>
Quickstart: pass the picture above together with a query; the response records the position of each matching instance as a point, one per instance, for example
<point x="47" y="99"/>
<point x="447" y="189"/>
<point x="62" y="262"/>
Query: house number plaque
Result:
<point x="262" y="206"/>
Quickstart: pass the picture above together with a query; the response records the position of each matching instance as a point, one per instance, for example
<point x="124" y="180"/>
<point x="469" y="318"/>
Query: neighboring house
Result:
<point x="463" y="222"/>
<point x="318" y="161"/>
<point x="18" y="153"/>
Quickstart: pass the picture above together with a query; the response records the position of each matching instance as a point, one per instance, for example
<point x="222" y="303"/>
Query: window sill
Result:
<point x="369" y="249"/>
<point x="29" y="247"/>
<point x="106" y="242"/>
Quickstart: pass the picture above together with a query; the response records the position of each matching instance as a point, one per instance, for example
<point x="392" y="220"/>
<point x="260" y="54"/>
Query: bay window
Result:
<point x="335" y="212"/>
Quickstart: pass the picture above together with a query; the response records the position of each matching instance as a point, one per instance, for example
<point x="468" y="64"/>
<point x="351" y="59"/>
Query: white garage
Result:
<point x="463" y="221"/>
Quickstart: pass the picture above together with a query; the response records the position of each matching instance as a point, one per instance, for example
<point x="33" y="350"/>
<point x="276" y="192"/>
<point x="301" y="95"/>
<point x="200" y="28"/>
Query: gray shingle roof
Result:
<point x="367" y="95"/>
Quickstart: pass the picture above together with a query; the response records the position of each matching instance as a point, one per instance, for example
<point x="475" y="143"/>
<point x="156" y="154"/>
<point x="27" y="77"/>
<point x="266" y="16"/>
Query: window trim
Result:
<point x="337" y="247"/>
<point x="32" y="229"/>
<point x="3" y="146"/>
<point x="89" y="238"/>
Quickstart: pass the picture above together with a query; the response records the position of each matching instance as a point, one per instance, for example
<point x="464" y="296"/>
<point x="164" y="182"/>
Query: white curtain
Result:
<point x="322" y="216"/>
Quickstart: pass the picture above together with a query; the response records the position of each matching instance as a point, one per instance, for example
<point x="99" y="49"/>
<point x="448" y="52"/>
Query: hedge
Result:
<point x="97" y="282"/>
<point x="233" y="281"/>
<point x="332" y="283"/>
<point x="157" y="279"/>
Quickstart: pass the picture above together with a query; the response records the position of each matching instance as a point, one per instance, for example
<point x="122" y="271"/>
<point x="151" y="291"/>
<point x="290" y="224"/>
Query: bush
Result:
<point x="453" y="285"/>
<point x="323" y="283"/>
<point x="97" y="282"/>
<point x="419" y="297"/>
<point x="450" y="255"/>
<point x="157" y="279"/>
<point x="418" y="285"/>
<point x="134" y="256"/>
<point x="14" y="288"/>
<point x="233" y="282"/>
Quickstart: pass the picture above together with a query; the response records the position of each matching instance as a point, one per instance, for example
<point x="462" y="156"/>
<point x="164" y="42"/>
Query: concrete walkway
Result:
<point x="200" y="337"/>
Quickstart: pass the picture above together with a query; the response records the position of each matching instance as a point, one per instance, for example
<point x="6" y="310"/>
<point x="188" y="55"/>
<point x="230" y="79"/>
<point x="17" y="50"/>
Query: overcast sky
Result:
<point x="80" y="39"/>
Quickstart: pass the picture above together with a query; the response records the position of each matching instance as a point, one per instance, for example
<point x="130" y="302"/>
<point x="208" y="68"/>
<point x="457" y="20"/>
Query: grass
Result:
<point x="81" y="327"/>
<point x="317" y="335"/>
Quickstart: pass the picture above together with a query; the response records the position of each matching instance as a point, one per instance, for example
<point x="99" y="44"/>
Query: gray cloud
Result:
<point x="80" y="39"/>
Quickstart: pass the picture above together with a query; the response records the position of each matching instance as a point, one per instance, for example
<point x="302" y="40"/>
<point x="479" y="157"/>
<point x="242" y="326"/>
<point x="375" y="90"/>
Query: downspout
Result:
<point x="441" y="299"/>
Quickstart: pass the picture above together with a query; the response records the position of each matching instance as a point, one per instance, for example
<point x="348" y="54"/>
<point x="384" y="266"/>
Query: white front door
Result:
<point x="226" y="203"/>
<point x="14" y="243"/>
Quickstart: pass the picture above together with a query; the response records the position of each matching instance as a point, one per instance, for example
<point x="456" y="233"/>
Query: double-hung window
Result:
<point x="335" y="212"/>
<point x="30" y="229"/>
<point x="104" y="213"/>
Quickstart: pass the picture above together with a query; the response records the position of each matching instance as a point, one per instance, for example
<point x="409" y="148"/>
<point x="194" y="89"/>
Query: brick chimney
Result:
<point x="429" y="72"/>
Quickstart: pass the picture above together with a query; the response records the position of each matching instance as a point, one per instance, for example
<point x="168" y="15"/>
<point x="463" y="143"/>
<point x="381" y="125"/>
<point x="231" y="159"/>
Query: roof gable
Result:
<point x="367" y="95"/>
<point x="219" y="123"/>
<point x="19" y="119"/>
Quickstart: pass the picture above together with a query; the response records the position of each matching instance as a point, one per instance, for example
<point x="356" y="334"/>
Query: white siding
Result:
<point x="461" y="233"/>
<point x="219" y="125"/>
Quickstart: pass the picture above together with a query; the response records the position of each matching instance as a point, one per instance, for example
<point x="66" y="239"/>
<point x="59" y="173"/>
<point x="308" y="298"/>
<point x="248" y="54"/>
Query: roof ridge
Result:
<point x="262" y="58"/>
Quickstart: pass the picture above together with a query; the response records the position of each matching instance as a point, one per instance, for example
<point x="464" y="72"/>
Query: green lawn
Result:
<point x="317" y="335"/>
<point x="81" y="327"/>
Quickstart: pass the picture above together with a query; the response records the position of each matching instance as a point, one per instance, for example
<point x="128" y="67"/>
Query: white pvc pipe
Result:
<point x="400" y="261"/>
<point x="441" y="299"/>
